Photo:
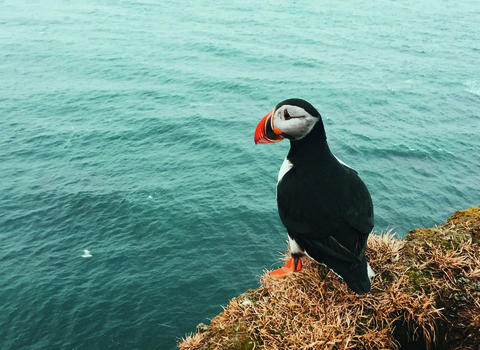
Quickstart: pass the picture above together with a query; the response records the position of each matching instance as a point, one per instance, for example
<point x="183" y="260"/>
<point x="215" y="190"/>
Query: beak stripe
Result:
<point x="265" y="132"/>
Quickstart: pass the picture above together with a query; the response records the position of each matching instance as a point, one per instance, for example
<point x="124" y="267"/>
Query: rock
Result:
<point x="233" y="336"/>
<point x="202" y="328"/>
<point x="425" y="295"/>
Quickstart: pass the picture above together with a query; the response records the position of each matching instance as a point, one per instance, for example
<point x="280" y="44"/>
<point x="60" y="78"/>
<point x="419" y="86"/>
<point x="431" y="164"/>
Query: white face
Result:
<point x="293" y="121"/>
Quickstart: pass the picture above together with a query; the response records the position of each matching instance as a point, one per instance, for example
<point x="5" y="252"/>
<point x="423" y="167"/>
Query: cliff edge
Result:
<point x="425" y="295"/>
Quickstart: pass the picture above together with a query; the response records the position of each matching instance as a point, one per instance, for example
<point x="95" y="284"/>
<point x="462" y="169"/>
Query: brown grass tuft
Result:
<point x="191" y="341"/>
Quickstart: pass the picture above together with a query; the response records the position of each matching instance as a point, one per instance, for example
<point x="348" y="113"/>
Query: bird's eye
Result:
<point x="286" y="116"/>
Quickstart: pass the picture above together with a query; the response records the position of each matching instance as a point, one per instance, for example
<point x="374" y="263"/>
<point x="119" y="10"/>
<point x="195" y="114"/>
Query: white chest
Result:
<point x="286" y="166"/>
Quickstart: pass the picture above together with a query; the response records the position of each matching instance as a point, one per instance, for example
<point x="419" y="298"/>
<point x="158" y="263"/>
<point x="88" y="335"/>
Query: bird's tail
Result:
<point x="357" y="276"/>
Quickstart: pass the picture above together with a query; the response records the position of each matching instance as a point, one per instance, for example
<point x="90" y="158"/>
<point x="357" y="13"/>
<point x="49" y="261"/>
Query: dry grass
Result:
<point x="191" y="341"/>
<point x="423" y="291"/>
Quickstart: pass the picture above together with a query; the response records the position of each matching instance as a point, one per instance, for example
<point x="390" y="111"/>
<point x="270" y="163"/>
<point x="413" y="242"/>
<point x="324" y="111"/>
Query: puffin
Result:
<point x="322" y="202"/>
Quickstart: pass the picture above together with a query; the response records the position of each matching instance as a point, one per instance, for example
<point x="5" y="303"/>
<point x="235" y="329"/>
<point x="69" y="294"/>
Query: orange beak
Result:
<point x="266" y="132"/>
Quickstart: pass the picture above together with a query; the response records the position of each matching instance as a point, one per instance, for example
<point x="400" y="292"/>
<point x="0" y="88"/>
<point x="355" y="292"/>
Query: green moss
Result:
<point x="234" y="337"/>
<point x="465" y="216"/>
<point x="418" y="277"/>
<point x="387" y="276"/>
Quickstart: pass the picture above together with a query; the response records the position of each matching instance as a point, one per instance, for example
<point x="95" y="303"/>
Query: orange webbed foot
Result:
<point x="291" y="266"/>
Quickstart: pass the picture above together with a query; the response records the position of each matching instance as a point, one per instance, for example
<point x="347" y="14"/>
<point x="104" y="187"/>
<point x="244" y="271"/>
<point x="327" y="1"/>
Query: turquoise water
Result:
<point x="127" y="129"/>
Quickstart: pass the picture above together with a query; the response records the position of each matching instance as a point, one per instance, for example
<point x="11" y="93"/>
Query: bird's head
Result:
<point x="292" y="119"/>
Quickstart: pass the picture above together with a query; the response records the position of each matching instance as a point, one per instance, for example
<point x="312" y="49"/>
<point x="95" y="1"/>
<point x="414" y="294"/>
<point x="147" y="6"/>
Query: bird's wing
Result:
<point x="357" y="209"/>
<point x="332" y="247"/>
<point x="331" y="214"/>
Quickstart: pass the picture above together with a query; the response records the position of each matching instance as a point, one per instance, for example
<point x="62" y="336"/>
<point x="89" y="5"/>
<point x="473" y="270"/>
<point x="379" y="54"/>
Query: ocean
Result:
<point x="127" y="131"/>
